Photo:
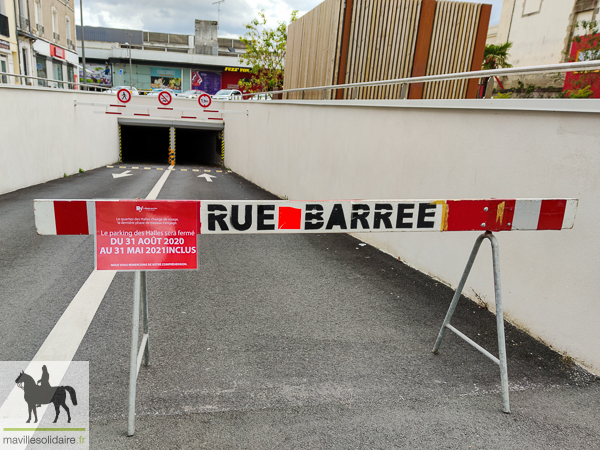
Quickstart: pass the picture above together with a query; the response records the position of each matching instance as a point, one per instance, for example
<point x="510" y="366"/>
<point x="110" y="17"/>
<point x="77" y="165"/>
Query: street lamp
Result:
<point x="82" y="45"/>
<point x="130" y="69"/>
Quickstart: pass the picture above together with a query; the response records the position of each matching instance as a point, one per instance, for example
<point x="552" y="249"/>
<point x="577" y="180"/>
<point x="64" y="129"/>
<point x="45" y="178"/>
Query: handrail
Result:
<point x="553" y="68"/>
<point x="50" y="80"/>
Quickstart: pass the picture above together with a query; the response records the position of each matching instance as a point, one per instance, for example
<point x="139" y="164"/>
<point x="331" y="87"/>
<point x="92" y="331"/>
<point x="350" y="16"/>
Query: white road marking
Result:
<point x="66" y="336"/>
<point x="207" y="177"/>
<point x="124" y="174"/>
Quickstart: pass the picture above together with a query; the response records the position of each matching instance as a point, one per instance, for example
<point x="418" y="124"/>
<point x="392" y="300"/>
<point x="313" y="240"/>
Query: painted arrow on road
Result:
<point x="124" y="174"/>
<point x="207" y="177"/>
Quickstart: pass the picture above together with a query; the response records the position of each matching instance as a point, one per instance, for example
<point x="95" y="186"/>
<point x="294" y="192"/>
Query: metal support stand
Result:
<point x="501" y="361"/>
<point x="140" y="289"/>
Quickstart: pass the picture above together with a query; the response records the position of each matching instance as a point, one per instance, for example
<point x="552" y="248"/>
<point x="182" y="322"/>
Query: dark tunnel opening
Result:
<point x="150" y="145"/>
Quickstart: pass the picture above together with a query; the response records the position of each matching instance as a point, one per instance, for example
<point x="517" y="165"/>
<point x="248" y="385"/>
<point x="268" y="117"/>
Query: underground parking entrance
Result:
<point x="150" y="142"/>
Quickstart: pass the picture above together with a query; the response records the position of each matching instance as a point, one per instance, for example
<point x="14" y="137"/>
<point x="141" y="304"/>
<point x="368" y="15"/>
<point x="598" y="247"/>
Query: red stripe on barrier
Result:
<point x="500" y="214"/>
<point x="119" y="106"/>
<point x="71" y="217"/>
<point x="170" y="109"/>
<point x="139" y="114"/>
<point x="187" y="117"/>
<point x="467" y="215"/>
<point x="215" y="118"/>
<point x="110" y="112"/>
<point x="552" y="214"/>
<point x="210" y="110"/>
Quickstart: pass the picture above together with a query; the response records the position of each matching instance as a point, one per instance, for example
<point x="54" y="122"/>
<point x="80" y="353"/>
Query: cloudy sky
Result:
<point x="169" y="16"/>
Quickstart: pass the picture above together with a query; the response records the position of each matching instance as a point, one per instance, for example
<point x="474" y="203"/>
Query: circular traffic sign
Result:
<point x="164" y="98"/>
<point x="204" y="100"/>
<point x="123" y="95"/>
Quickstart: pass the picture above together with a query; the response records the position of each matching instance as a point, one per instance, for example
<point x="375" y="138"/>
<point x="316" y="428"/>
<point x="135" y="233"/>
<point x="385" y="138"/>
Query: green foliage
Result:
<point x="496" y="56"/>
<point x="65" y="175"/>
<point x="503" y="95"/>
<point x="265" y="53"/>
<point x="589" y="51"/>
<point x="586" y="92"/>
<point x="81" y="170"/>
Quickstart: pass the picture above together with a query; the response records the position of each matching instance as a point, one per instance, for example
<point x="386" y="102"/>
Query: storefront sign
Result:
<point x="4" y="45"/>
<point x="237" y="69"/>
<point x="161" y="78"/>
<point x="146" y="235"/>
<point x="57" y="51"/>
<point x="209" y="82"/>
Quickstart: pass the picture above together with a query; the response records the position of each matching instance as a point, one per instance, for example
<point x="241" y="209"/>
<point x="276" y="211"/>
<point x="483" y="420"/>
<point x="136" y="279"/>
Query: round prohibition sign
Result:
<point x="123" y="95"/>
<point x="204" y="100"/>
<point x="164" y="98"/>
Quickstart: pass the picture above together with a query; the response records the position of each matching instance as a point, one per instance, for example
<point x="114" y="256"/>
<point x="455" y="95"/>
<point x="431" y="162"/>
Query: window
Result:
<point x="54" y="21"/>
<point x="2" y="8"/>
<point x="23" y="8"/>
<point x="58" y="72"/>
<point x="41" y="70"/>
<point x="532" y="7"/>
<point x="38" y="12"/>
<point x="25" y="62"/>
<point x="3" y="68"/>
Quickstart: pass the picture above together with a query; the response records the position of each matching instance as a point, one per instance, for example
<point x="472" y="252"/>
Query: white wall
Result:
<point x="446" y="149"/>
<point x="43" y="135"/>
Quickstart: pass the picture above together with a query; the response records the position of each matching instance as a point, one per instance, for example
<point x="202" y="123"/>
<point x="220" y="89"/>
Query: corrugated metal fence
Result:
<point x="352" y="41"/>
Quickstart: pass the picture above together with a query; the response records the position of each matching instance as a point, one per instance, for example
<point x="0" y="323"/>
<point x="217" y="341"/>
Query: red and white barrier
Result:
<point x="77" y="217"/>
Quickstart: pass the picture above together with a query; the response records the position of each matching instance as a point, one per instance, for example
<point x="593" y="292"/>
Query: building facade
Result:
<point x="9" y="48"/>
<point x="542" y="32"/>
<point x="46" y="46"/>
<point x="150" y="60"/>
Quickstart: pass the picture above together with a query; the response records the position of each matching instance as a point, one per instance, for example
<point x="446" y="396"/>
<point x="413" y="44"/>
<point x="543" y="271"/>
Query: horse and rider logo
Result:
<point x="41" y="393"/>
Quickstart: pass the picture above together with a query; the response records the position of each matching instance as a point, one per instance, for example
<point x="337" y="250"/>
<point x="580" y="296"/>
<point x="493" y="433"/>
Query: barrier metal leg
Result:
<point x="140" y="291"/>
<point x="501" y="360"/>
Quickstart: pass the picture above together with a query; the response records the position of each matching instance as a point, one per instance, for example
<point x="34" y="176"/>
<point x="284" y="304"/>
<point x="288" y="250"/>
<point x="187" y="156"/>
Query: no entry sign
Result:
<point x="123" y="95"/>
<point x="164" y="98"/>
<point x="146" y="235"/>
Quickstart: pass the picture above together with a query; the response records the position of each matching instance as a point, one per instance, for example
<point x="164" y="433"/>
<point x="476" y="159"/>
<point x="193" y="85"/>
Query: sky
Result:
<point x="177" y="17"/>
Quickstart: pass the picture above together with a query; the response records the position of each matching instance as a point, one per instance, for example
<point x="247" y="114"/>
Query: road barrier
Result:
<point x="141" y="235"/>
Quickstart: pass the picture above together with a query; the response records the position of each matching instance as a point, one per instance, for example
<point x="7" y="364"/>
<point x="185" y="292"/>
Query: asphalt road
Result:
<point x="282" y="341"/>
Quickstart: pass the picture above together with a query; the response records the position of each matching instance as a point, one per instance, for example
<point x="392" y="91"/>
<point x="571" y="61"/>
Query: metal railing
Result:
<point x="45" y="82"/>
<point x="548" y="68"/>
<point x="23" y="22"/>
<point x="56" y="37"/>
<point x="40" y="28"/>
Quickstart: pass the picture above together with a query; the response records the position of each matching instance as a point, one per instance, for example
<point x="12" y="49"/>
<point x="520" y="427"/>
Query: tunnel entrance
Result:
<point x="150" y="145"/>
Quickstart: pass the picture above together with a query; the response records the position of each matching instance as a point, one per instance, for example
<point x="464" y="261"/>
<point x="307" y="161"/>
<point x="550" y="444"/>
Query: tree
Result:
<point x="265" y="52"/>
<point x="495" y="57"/>
<point x="585" y="48"/>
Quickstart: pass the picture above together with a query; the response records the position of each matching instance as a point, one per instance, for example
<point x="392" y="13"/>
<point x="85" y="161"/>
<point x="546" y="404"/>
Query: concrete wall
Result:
<point x="43" y="135"/>
<point x="451" y="149"/>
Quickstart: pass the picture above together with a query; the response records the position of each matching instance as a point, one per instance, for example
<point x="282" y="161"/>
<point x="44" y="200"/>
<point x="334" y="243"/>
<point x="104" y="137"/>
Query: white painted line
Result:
<point x="156" y="189"/>
<point x="527" y="215"/>
<point x="570" y="211"/>
<point x="66" y="336"/>
<point x="45" y="222"/>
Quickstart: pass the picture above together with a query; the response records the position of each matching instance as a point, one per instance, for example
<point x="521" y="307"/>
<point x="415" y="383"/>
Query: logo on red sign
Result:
<point x="146" y="235"/>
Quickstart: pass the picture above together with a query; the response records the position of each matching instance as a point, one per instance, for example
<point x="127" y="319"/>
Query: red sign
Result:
<point x="204" y="100"/>
<point x="146" y="235"/>
<point x="123" y="95"/>
<point x="57" y="51"/>
<point x="164" y="98"/>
